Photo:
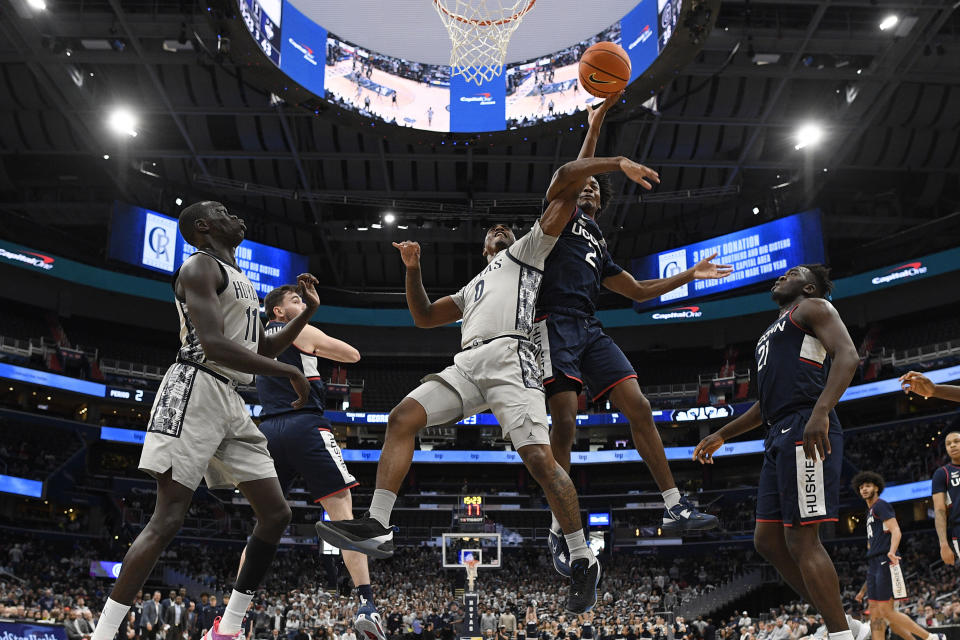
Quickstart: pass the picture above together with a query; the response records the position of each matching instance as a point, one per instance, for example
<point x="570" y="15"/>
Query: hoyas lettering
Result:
<point x="244" y="290"/>
<point x="493" y="266"/>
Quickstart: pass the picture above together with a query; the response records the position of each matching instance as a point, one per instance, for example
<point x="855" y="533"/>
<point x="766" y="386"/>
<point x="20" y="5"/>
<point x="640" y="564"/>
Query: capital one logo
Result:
<point x="907" y="270"/>
<point x="159" y="240"/>
<point x="305" y="50"/>
<point x="480" y="98"/>
<point x="645" y="35"/>
<point x="32" y="258"/>
<point x="678" y="313"/>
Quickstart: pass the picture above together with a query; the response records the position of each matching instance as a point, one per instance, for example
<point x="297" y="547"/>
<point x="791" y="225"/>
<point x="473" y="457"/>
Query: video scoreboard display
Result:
<point x="757" y="254"/>
<point x="151" y="240"/>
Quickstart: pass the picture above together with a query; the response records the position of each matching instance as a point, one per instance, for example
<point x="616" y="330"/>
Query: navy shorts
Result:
<point x="879" y="582"/>
<point x="576" y="348"/>
<point x="302" y="442"/>
<point x="793" y="490"/>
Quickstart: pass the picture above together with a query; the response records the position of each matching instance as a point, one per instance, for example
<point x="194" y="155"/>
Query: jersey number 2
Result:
<point x="591" y="257"/>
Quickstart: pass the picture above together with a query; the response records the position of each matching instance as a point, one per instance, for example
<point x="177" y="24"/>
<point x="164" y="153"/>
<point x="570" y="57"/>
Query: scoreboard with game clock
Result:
<point x="470" y="510"/>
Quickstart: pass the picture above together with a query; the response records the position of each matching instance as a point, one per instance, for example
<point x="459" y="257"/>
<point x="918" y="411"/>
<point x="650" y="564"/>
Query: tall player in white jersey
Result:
<point x="498" y="368"/>
<point x="199" y="426"/>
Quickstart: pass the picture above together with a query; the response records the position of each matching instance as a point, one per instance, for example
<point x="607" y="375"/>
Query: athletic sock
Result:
<point x="854" y="625"/>
<point x="382" y="505"/>
<point x="233" y="615"/>
<point x="577" y="544"/>
<point x="671" y="498"/>
<point x="110" y="620"/>
<point x="841" y="635"/>
<point x="365" y="594"/>
<point x="555" y="524"/>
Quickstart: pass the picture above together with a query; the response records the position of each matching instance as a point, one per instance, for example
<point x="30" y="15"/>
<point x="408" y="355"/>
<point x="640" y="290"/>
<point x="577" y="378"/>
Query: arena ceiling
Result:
<point x="721" y="134"/>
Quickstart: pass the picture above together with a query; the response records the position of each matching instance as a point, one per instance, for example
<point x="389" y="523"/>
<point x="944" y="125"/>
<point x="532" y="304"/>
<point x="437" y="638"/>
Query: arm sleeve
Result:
<point x="610" y="268"/>
<point x="534" y="247"/>
<point x="939" y="481"/>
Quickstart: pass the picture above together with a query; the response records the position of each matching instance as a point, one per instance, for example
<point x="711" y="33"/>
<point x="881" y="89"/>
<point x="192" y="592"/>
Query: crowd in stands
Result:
<point x="28" y="452"/>
<point x="906" y="452"/>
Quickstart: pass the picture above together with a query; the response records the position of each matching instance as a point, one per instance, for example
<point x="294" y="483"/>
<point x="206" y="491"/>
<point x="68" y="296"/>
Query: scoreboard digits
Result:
<point x="470" y="510"/>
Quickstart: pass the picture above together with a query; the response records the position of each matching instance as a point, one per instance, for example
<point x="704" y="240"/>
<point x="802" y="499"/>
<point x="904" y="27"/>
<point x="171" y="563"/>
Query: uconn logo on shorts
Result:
<point x="810" y="498"/>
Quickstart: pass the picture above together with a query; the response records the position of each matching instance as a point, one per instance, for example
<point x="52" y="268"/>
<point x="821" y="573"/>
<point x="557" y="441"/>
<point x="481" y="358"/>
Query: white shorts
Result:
<point x="199" y="427"/>
<point x="504" y="376"/>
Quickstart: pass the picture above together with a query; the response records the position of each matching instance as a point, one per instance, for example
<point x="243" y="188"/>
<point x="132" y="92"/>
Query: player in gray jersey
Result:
<point x="498" y="369"/>
<point x="199" y="426"/>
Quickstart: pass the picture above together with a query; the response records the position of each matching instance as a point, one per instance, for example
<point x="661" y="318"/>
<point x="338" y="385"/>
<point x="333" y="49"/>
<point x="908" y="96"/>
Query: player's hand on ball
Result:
<point x="409" y="253"/>
<point x="706" y="270"/>
<point x="917" y="383"/>
<point x="640" y="174"/>
<point x="596" y="114"/>
<point x="301" y="385"/>
<point x="705" y="450"/>
<point x="306" y="285"/>
<point x="816" y="443"/>
<point x="947" y="555"/>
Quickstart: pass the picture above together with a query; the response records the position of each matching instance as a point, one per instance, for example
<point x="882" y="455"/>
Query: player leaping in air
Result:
<point x="498" y="368"/>
<point x="301" y="440"/>
<point x="805" y="361"/>
<point x="576" y="350"/>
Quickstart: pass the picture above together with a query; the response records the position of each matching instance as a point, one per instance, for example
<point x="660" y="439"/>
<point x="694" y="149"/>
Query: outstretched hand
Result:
<point x="917" y="383"/>
<point x="706" y="270"/>
<point x="595" y="114"/>
<point x="640" y="174"/>
<point x="306" y="285"/>
<point x="409" y="253"/>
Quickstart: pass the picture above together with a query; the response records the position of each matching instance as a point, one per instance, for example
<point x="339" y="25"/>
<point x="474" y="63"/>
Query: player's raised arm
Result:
<point x="425" y="314"/>
<point x="822" y="319"/>
<point x="643" y="290"/>
<point x="315" y="341"/>
<point x="273" y="345"/>
<point x="594" y="122"/>
<point x="924" y="386"/>
<point x="751" y="419"/>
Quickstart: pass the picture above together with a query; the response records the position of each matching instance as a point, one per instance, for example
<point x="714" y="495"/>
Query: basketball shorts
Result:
<point x="504" y="376"/>
<point x="953" y="533"/>
<point x="879" y="581"/>
<point x="200" y="428"/>
<point x="793" y="490"/>
<point x="302" y="442"/>
<point x="576" y="348"/>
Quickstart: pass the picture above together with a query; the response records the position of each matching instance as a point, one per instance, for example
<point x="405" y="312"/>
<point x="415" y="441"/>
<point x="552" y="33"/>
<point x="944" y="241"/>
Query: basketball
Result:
<point x="604" y="69"/>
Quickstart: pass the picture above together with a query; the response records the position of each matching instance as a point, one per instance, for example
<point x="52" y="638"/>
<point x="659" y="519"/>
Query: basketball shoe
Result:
<point x="559" y="552"/>
<point x="584" y="579"/>
<point x="685" y="517"/>
<point x="364" y="535"/>
<point x="368" y="623"/>
<point x="214" y="634"/>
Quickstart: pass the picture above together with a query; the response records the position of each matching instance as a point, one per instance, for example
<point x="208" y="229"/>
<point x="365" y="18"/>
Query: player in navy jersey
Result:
<point x="805" y="361"/>
<point x="301" y="440"/>
<point x="576" y="350"/>
<point x="946" y="500"/>
<point x="883" y="542"/>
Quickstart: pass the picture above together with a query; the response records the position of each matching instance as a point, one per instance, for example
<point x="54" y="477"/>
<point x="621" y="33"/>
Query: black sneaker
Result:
<point x="364" y="535"/>
<point x="685" y="517"/>
<point x="584" y="579"/>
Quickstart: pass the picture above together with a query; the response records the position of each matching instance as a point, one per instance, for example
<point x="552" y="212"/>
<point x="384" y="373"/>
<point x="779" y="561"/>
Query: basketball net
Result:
<point x="480" y="31"/>
<point x="471" y="566"/>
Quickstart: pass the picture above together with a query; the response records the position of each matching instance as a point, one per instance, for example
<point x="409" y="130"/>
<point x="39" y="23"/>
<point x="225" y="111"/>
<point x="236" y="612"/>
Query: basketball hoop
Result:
<point x="480" y="31"/>
<point x="471" y="566"/>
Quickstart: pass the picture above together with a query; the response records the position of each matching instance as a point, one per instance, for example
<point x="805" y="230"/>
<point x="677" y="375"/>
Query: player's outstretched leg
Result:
<point x="372" y="534"/>
<point x="563" y="409"/>
<point x="562" y="496"/>
<point x="900" y="623"/>
<point x="173" y="500"/>
<point x="368" y="623"/>
<point x="679" y="515"/>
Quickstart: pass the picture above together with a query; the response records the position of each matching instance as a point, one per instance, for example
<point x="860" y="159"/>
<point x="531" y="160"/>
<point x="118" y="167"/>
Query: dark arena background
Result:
<point x="784" y="132"/>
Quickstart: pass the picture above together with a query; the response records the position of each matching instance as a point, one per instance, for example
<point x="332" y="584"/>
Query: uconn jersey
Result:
<point x="576" y="268"/>
<point x="792" y="368"/>
<point x="277" y="393"/>
<point x="878" y="536"/>
<point x="501" y="299"/>
<point x="946" y="480"/>
<point x="240" y="308"/>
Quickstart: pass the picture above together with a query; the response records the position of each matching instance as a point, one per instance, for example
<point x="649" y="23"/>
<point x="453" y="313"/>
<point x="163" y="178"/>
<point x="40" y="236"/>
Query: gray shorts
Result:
<point x="200" y="428"/>
<point x="504" y="376"/>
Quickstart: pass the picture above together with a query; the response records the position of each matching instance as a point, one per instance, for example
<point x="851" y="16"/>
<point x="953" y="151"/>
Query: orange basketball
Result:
<point x="604" y="69"/>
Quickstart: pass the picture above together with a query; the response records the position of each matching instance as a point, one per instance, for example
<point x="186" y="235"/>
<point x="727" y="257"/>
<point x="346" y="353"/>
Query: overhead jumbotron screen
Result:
<point x="757" y="254"/>
<point x="409" y="93"/>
